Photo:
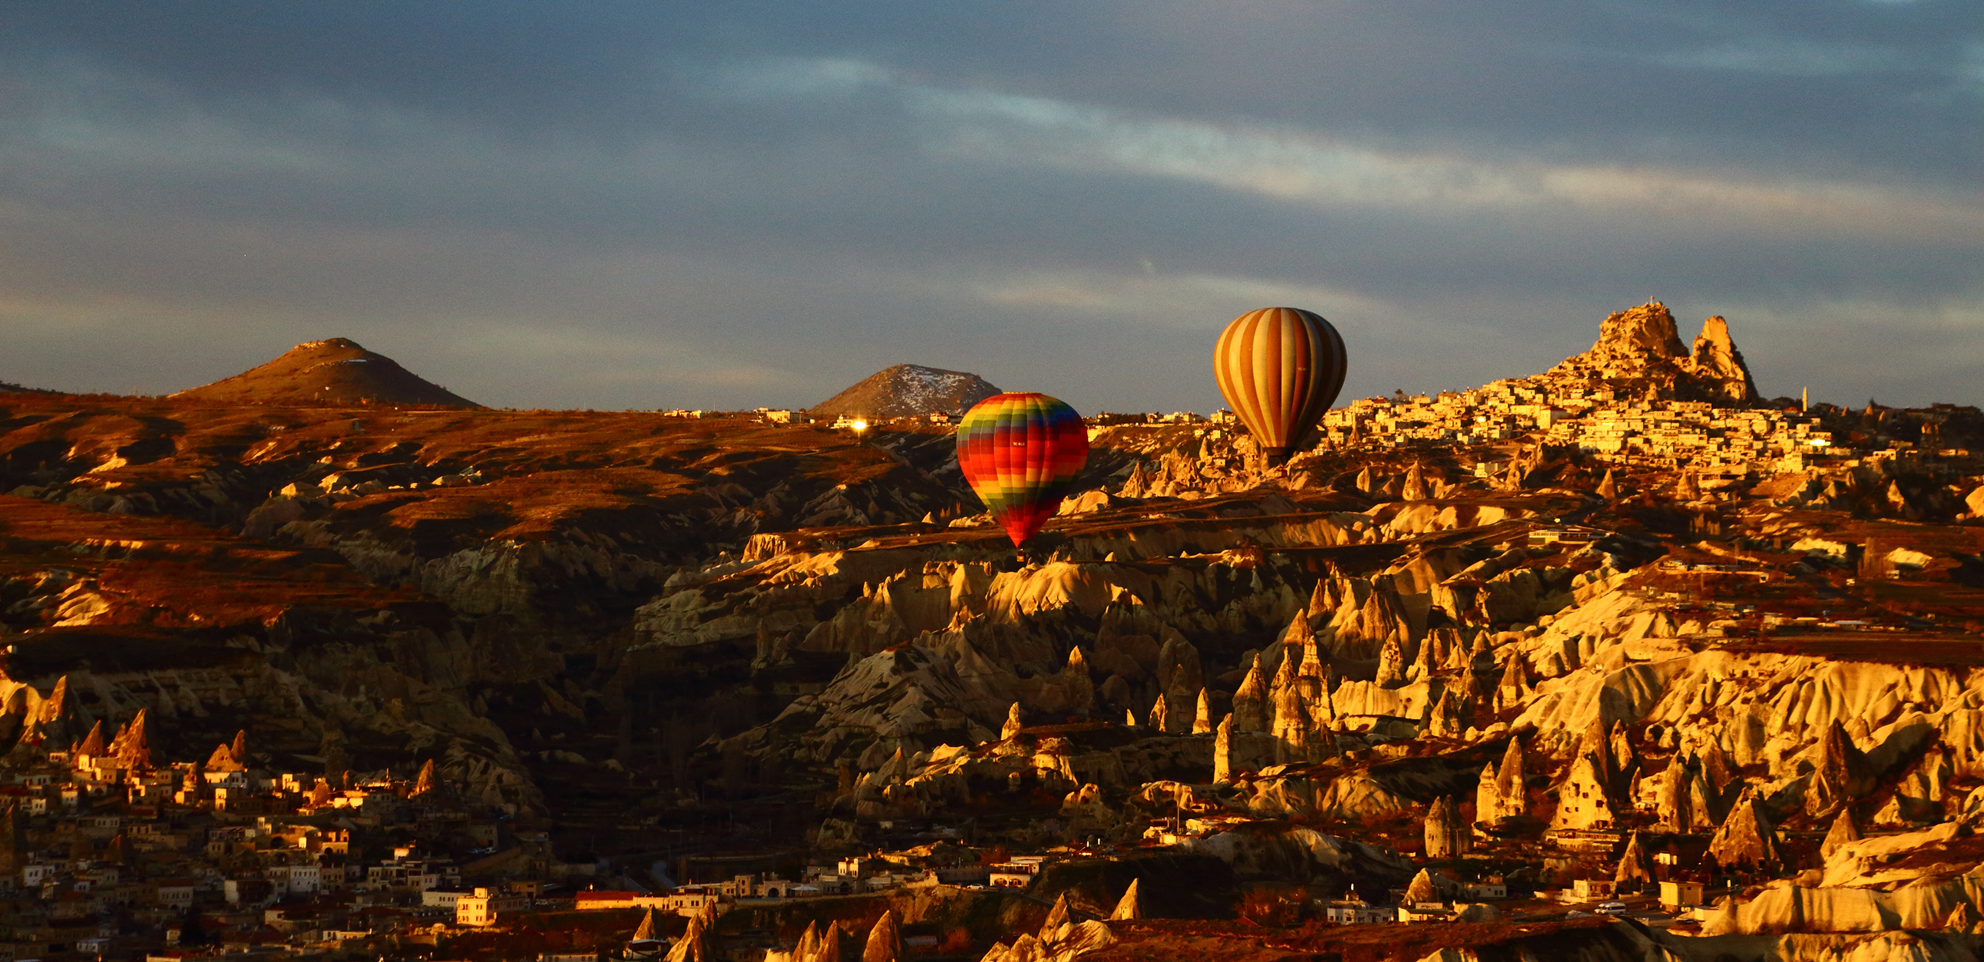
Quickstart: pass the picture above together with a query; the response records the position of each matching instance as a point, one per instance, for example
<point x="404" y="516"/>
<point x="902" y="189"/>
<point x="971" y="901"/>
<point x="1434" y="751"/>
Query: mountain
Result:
<point x="339" y="371"/>
<point x="1641" y="348"/>
<point x="908" y="390"/>
<point x="10" y="388"/>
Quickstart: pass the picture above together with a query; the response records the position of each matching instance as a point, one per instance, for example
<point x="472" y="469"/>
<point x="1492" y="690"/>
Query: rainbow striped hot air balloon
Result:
<point x="1280" y="368"/>
<point x="1020" y="452"/>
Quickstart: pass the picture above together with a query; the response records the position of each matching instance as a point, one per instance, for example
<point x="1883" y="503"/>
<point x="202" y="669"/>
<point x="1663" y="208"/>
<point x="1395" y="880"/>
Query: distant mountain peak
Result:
<point x="908" y="390"/>
<point x="335" y="370"/>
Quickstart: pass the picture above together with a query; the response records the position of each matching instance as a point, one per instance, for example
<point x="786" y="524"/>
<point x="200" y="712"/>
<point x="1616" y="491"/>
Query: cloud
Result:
<point x="656" y="206"/>
<point x="1326" y="171"/>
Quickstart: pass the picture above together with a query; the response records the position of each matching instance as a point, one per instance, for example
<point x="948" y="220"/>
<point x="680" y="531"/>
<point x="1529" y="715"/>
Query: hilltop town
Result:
<point x="1604" y="662"/>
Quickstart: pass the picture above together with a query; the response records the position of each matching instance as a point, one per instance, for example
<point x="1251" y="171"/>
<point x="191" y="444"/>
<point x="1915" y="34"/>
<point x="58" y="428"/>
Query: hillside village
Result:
<point x="1615" y="658"/>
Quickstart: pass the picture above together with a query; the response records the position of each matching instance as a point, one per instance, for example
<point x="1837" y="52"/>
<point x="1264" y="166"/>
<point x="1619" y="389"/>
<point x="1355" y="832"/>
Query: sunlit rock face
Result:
<point x="1638" y="334"/>
<point x="1717" y="363"/>
<point x="1641" y="349"/>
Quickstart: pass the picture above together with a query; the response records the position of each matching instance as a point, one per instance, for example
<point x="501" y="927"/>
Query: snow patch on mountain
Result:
<point x="908" y="390"/>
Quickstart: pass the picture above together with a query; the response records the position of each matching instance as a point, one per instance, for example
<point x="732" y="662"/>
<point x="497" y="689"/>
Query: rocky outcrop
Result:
<point x="1446" y="835"/>
<point x="1583" y="801"/>
<point x="1635" y="869"/>
<point x="1842" y="833"/>
<point x="1129" y="907"/>
<point x="1420" y="889"/>
<point x="884" y="940"/>
<point x="1501" y="794"/>
<point x="1718" y="366"/>
<point x="693" y="945"/>
<point x="1640" y="349"/>
<point x="1684" y="801"/>
<point x="1842" y="776"/>
<point x="1252" y="709"/>
<point x="1747" y="839"/>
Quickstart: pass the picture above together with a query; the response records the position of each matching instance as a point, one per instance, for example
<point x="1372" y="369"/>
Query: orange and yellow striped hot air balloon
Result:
<point x="1280" y="369"/>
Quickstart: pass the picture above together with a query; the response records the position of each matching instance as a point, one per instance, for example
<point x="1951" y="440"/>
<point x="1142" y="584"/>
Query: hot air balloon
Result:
<point x="1280" y="368"/>
<point x="1020" y="452"/>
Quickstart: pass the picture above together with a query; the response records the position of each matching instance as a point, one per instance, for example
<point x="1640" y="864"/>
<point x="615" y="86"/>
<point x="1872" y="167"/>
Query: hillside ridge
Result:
<point x="335" y="370"/>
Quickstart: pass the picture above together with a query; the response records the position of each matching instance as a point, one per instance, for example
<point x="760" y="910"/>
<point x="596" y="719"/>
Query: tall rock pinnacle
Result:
<point x="1717" y="363"/>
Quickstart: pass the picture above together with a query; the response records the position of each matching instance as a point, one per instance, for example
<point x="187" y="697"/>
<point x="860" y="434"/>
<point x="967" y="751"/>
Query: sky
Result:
<point x="726" y="205"/>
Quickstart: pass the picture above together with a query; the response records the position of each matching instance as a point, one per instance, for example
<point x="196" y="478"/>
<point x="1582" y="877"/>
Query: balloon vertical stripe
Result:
<point x="1020" y="452"/>
<point x="1280" y="368"/>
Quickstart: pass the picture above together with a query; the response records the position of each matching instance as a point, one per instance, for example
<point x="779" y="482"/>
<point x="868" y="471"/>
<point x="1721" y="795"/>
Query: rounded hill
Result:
<point x="336" y="371"/>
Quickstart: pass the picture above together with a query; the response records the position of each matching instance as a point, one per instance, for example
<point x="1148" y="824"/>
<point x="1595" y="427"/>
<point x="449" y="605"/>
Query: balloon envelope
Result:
<point x="1020" y="452"/>
<point x="1280" y="369"/>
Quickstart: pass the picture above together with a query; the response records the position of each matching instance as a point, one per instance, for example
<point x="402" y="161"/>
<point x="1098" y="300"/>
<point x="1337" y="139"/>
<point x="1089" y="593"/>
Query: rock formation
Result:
<point x="1843" y="774"/>
<point x="1683" y="801"/>
<point x="884" y="940"/>
<point x="1014" y="722"/>
<point x="691" y="946"/>
<point x="1640" y="349"/>
<point x="1513" y="690"/>
<point x="823" y="947"/>
<point x="1164" y="718"/>
<point x="1842" y="833"/>
<point x="1582" y="799"/>
<point x="92" y="744"/>
<point x="131" y="746"/>
<point x="222" y="760"/>
<point x="1747" y="838"/>
<point x="1635" y="870"/>
<point x="1446" y="835"/>
<point x="1421" y="889"/>
<point x="1501" y="793"/>
<point x="1128" y="907"/>
<point x="1222" y="751"/>
<point x="1414" y="488"/>
<point x="1719" y="366"/>
<point x="425" y="781"/>
<point x="647" y="930"/>
<point x="1251" y="708"/>
<point x="1057" y="915"/>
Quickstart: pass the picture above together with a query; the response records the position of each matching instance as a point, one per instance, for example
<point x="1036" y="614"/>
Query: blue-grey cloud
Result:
<point x="637" y="205"/>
